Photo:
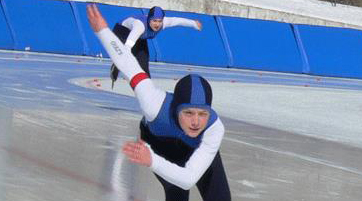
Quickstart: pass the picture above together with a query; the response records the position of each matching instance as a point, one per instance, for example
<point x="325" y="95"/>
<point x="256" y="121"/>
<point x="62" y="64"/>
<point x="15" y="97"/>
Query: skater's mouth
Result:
<point x="195" y="129"/>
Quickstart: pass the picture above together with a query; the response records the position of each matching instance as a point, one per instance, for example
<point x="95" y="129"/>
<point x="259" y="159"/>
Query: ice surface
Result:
<point x="312" y="111"/>
<point x="287" y="136"/>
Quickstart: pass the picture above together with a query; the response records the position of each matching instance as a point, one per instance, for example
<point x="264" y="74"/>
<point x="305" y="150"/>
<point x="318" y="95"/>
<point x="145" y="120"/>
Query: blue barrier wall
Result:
<point x="6" y="41"/>
<point x="262" y="45"/>
<point x="112" y="14"/>
<point x="189" y="46"/>
<point x="332" y="51"/>
<point x="62" y="27"/>
<point x="44" y="26"/>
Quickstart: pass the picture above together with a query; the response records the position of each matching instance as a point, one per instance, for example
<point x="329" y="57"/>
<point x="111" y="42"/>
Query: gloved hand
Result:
<point x="114" y="74"/>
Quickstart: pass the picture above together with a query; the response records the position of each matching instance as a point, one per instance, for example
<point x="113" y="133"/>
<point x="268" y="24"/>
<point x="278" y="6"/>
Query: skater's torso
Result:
<point x="167" y="138"/>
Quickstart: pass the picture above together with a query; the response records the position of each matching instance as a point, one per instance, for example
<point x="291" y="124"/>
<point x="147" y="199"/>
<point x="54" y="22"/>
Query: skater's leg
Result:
<point x="140" y="51"/>
<point x="213" y="185"/>
<point x="172" y="192"/>
<point x="122" y="33"/>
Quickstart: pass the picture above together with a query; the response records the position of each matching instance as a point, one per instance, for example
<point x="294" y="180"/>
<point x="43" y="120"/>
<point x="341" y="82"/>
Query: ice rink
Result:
<point x="288" y="137"/>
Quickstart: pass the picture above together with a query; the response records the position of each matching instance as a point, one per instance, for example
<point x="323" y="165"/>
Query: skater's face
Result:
<point x="156" y="24"/>
<point x="193" y="120"/>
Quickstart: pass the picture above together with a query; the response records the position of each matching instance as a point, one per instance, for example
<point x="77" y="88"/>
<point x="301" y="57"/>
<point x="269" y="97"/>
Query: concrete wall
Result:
<point x="238" y="8"/>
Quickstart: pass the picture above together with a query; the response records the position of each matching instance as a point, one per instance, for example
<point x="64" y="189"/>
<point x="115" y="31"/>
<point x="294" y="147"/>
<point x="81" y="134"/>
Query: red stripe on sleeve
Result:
<point x="137" y="79"/>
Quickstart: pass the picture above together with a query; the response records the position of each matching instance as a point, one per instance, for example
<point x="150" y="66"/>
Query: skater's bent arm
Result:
<point x="137" y="29"/>
<point x="122" y="57"/>
<point x="200" y="160"/>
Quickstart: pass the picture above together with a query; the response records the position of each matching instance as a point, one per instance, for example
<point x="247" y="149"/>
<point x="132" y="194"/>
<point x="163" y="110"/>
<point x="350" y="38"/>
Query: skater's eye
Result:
<point x="187" y="112"/>
<point x="204" y="114"/>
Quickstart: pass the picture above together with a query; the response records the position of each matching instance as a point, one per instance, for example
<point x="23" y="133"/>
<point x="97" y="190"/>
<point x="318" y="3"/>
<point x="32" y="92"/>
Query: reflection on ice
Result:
<point x="6" y="117"/>
<point x="74" y="156"/>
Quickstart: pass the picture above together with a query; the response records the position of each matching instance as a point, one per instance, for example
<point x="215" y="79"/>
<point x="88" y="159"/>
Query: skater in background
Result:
<point x="134" y="32"/>
<point x="181" y="134"/>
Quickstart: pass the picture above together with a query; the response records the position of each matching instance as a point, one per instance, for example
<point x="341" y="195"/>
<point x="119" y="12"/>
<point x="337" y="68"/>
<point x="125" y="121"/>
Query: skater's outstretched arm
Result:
<point x="119" y="54"/>
<point x="179" y="21"/>
<point x="149" y="97"/>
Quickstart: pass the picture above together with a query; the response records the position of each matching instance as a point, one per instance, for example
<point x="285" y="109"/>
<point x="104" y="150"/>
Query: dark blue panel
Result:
<point x="6" y="40"/>
<point x="262" y="45"/>
<point x="186" y="45"/>
<point x="333" y="51"/>
<point x="44" y="26"/>
<point x="303" y="53"/>
<point x="112" y="14"/>
<point x="152" y="50"/>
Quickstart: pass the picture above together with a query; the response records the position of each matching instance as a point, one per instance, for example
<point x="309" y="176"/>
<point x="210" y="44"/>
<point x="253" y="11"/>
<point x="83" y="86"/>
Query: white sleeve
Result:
<point x="178" y="21"/>
<point x="137" y="29"/>
<point x="119" y="53"/>
<point x="200" y="160"/>
<point x="149" y="97"/>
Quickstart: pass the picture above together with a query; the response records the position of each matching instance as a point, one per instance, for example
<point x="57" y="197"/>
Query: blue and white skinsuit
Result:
<point x="201" y="165"/>
<point x="135" y="30"/>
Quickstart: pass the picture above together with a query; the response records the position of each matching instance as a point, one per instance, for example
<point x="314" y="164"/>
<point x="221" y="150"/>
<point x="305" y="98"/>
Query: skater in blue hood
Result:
<point x="186" y="132"/>
<point x="135" y="30"/>
<point x="181" y="133"/>
<point x="183" y="116"/>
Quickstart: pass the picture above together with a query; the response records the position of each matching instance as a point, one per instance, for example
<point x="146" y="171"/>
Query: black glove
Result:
<point x="114" y="74"/>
